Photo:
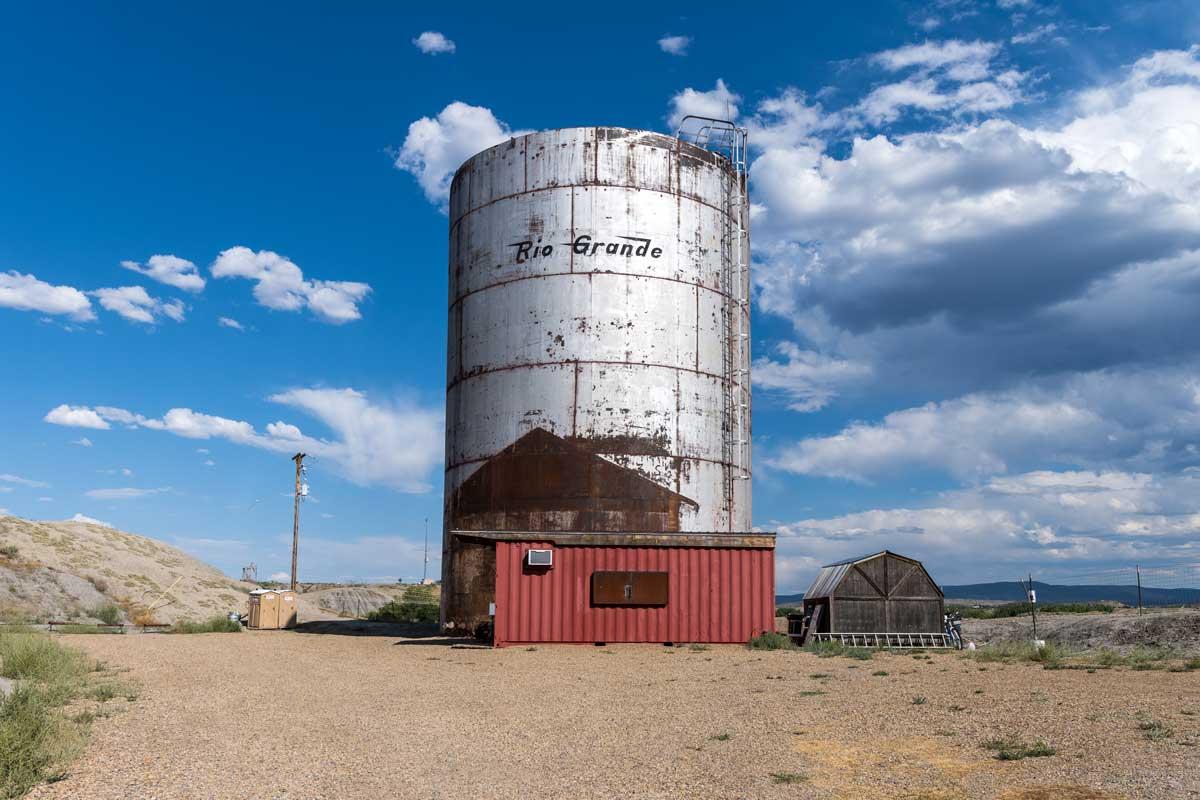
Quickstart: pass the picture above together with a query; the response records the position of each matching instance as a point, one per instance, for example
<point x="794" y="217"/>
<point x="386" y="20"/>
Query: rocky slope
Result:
<point x="65" y="570"/>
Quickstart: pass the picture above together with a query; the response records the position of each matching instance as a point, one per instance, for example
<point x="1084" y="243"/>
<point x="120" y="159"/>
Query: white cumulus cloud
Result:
<point x="135" y="304"/>
<point x="675" y="45"/>
<point x="76" y="417"/>
<point x="171" y="270"/>
<point x="27" y="293"/>
<point x="389" y="444"/>
<point x="280" y="285"/>
<point x="227" y="322"/>
<point x="432" y="43"/>
<point x="720" y="102"/>
<point x="86" y="520"/>
<point x="436" y="146"/>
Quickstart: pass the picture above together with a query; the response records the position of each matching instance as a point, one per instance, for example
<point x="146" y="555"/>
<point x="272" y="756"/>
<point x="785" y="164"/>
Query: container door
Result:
<point x="287" y="610"/>
<point x="270" y="611"/>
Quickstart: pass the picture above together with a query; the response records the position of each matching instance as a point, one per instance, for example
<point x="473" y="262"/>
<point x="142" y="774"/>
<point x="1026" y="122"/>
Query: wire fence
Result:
<point x="1136" y="586"/>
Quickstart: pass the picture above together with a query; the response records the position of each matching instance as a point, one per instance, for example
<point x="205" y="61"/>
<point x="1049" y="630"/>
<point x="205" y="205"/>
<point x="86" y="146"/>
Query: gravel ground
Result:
<point x="291" y="715"/>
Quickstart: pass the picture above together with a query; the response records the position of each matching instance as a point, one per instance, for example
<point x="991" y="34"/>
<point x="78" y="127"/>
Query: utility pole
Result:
<point x="299" y="459"/>
<point x="425" y="569"/>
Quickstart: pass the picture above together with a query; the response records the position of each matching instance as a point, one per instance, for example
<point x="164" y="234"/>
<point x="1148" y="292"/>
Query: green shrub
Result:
<point x="36" y="657"/>
<point x="771" y="641"/>
<point x="217" y="624"/>
<point x="35" y="742"/>
<point x="417" y="605"/>
<point x="108" y="613"/>
<point x="1050" y="653"/>
<point x="9" y="550"/>
<point x="783" y="611"/>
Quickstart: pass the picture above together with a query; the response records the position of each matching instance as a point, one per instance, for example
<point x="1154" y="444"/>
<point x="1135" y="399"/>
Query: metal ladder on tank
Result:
<point x="728" y="140"/>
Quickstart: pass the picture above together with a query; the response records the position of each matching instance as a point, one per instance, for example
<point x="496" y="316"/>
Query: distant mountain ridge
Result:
<point x="1014" y="592"/>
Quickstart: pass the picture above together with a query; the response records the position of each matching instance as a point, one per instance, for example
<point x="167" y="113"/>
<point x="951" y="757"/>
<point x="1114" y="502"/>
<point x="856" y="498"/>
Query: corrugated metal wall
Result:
<point x="715" y="595"/>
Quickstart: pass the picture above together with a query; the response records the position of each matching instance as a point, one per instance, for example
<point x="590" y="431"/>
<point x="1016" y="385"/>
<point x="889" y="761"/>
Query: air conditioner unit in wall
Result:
<point x="539" y="558"/>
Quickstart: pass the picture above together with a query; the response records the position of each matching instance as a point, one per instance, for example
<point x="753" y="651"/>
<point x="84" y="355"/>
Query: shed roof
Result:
<point x="831" y="575"/>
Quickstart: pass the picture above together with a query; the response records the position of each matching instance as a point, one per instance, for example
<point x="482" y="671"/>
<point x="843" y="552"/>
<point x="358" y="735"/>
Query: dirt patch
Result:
<point x="916" y="760"/>
<point x="1057" y="793"/>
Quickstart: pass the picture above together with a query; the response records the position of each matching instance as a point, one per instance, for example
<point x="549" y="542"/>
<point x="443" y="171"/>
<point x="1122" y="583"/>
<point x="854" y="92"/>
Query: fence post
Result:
<point x="1138" y="570"/>
<point x="1032" y="598"/>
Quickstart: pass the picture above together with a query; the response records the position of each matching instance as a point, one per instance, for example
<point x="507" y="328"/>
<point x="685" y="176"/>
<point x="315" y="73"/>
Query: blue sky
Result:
<point x="977" y="256"/>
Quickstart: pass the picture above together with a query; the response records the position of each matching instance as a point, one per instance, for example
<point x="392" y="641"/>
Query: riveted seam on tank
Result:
<point x="589" y="273"/>
<point x="606" y="186"/>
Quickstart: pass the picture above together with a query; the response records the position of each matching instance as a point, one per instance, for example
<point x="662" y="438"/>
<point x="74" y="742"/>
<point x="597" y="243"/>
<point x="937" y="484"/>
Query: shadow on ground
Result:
<point x="409" y="633"/>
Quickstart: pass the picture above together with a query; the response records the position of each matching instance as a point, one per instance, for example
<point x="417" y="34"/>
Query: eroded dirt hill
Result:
<point x="65" y="570"/>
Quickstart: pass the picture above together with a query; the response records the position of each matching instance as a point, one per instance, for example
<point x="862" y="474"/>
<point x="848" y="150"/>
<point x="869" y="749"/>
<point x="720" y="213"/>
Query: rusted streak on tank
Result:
<point x="545" y="482"/>
<point x="466" y="462"/>
<point x="625" y="444"/>
<point x="469" y="578"/>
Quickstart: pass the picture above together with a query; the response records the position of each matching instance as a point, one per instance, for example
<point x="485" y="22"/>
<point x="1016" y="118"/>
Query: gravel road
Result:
<point x="289" y="716"/>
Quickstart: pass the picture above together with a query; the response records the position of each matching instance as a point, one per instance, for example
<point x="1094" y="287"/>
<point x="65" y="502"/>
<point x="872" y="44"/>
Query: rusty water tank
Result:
<point x="598" y="352"/>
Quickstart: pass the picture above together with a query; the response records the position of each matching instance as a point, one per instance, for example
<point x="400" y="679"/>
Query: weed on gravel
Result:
<point x="836" y="649"/>
<point x="721" y="737"/>
<point x="788" y="777"/>
<point x="1013" y="748"/>
<point x="771" y="641"/>
<point x="1153" y="729"/>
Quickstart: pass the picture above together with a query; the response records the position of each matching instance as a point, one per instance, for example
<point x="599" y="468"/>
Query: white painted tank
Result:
<point x="598" y="337"/>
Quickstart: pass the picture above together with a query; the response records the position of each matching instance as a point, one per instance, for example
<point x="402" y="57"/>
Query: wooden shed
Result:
<point x="883" y="594"/>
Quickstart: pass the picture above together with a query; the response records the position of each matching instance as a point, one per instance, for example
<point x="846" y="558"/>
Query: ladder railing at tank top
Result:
<point x="729" y="141"/>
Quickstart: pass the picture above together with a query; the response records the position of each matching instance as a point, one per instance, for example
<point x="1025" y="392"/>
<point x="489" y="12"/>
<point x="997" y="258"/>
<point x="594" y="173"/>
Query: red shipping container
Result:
<point x="715" y="594"/>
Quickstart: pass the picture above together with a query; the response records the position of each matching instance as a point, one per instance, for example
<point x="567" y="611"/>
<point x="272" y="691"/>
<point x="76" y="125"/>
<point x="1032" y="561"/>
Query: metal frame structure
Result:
<point x="893" y="640"/>
<point x="726" y="139"/>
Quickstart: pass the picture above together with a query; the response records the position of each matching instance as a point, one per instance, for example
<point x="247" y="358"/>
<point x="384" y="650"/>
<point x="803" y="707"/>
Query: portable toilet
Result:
<point x="272" y="609"/>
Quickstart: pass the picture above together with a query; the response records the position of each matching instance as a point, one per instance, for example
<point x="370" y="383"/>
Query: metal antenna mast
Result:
<point x="425" y="570"/>
<point x="299" y="459"/>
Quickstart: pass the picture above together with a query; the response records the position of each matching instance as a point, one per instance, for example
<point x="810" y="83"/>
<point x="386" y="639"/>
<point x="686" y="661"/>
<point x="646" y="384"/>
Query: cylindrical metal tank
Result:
<point x="598" y="352"/>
